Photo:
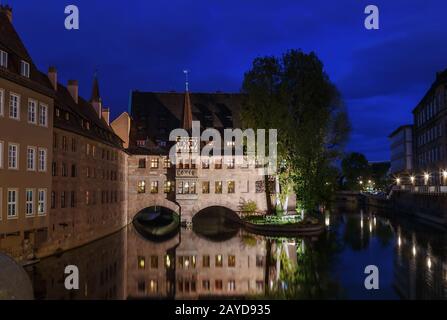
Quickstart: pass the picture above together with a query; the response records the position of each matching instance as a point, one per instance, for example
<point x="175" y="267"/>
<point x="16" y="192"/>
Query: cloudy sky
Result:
<point x="145" y="45"/>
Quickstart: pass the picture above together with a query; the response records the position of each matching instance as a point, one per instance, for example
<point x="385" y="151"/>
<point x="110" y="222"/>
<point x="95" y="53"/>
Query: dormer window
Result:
<point x="3" y="59"/>
<point x="24" y="68"/>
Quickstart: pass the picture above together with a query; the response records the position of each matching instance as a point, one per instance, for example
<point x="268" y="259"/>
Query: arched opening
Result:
<point x="157" y="223"/>
<point x="216" y="223"/>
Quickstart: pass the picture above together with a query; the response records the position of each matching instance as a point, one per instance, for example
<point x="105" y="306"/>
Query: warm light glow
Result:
<point x="168" y="261"/>
<point x="361" y="182"/>
<point x="398" y="180"/>
<point x="327" y="221"/>
<point x="444" y="174"/>
<point x="426" y="176"/>
<point x="399" y="241"/>
<point x="186" y="263"/>
<point x="361" y="223"/>
<point x="370" y="227"/>
<point x="414" y="250"/>
<point x="375" y="221"/>
<point x="412" y="179"/>
<point x="429" y="262"/>
<point x="369" y="181"/>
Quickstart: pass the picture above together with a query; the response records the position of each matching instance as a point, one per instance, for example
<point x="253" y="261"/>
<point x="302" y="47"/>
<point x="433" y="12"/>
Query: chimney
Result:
<point x="7" y="11"/>
<point x="52" y="76"/>
<point x="73" y="88"/>
<point x="106" y="115"/>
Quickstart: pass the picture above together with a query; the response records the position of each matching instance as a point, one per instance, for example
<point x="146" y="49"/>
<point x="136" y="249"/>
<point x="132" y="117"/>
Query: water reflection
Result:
<point x="198" y="264"/>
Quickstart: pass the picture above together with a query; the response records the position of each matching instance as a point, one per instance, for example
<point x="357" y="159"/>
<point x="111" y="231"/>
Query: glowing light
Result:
<point x="361" y="182"/>
<point x="375" y="221"/>
<point x="370" y="227"/>
<point x="399" y="241"/>
<point x="414" y="250"/>
<point x="429" y="262"/>
<point x="369" y="181"/>
<point x="186" y="263"/>
<point x="398" y="180"/>
<point x="327" y="221"/>
<point x="412" y="179"/>
<point x="361" y="223"/>
<point x="444" y="174"/>
<point x="168" y="261"/>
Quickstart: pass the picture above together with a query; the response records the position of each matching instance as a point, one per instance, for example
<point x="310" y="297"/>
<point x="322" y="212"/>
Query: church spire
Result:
<point x="96" y="97"/>
<point x="187" y="109"/>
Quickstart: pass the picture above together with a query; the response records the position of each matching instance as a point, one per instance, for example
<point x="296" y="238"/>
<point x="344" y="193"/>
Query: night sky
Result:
<point x="145" y="44"/>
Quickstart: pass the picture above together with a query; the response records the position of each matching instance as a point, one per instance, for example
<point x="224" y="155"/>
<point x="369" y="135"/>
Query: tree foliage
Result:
<point x="294" y="95"/>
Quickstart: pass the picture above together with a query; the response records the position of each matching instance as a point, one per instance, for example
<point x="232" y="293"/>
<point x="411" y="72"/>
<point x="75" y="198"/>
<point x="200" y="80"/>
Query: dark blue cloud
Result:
<point x="146" y="44"/>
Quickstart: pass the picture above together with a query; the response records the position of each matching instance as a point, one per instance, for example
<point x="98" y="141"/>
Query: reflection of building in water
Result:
<point x="418" y="272"/>
<point x="101" y="271"/>
<point x="195" y="268"/>
<point x="150" y="266"/>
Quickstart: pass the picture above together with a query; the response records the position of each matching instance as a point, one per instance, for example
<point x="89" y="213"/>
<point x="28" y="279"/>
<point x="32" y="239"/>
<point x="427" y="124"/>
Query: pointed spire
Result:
<point x="187" y="109"/>
<point x="96" y="97"/>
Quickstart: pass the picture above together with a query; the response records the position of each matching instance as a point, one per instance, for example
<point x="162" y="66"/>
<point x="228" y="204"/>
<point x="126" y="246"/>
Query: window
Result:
<point x="87" y="149"/>
<point x="154" y="262"/>
<point x="43" y="115"/>
<point x="1" y="154"/>
<point x="231" y="186"/>
<point x="29" y="210"/>
<point x="42" y="160"/>
<point x="42" y="202"/>
<point x="87" y="198"/>
<point x="13" y="156"/>
<point x="14" y="106"/>
<point x="231" y="285"/>
<point x="168" y="186"/>
<point x="205" y="187"/>
<point x="32" y="111"/>
<point x="206" y="164"/>
<point x="259" y="261"/>
<point x="54" y="169"/>
<point x="154" y="163"/>
<point x="154" y="186"/>
<point x="219" y="260"/>
<point x="13" y="195"/>
<point x="73" y="199"/>
<point x="63" y="199"/>
<point x="166" y="163"/>
<point x="53" y="199"/>
<point x="74" y="171"/>
<point x="218" y="187"/>
<point x="141" y="186"/>
<point x="24" y="68"/>
<point x="230" y="163"/>
<point x="73" y="145"/>
<point x="2" y="101"/>
<point x="218" y="164"/>
<point x="186" y="187"/>
<point x="142" y="163"/>
<point x="31" y="159"/>
<point x="206" y="285"/>
<point x="141" y="262"/>
<point x="206" y="261"/>
<point x="55" y="141"/>
<point x="3" y="59"/>
<point x="64" y="143"/>
<point x="232" y="261"/>
<point x="218" y="285"/>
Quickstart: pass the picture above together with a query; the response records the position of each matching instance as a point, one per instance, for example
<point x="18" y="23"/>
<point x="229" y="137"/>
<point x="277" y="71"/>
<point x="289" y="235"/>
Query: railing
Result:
<point x="186" y="172"/>
<point x="422" y="189"/>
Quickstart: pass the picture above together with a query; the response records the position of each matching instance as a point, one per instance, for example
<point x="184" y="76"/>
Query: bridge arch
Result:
<point x="148" y="202"/>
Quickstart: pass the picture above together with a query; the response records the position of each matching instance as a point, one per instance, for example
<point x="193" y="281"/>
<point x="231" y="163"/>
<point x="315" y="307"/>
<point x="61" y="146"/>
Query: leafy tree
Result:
<point x="293" y="94"/>
<point x="355" y="167"/>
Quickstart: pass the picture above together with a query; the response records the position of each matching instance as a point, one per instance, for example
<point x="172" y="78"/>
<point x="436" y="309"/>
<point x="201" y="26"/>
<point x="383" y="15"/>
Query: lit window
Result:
<point x="24" y="68"/>
<point x="166" y="163"/>
<point x="206" y="285"/>
<point x="3" y="59"/>
<point x="218" y="164"/>
<point x="32" y="104"/>
<point x="168" y="186"/>
<point x="29" y="210"/>
<point x="230" y="163"/>
<point x="232" y="261"/>
<point x="154" y="163"/>
<point x="206" y="164"/>
<point x="154" y="186"/>
<point x="218" y="187"/>
<point x="141" y="186"/>
<point x="219" y="260"/>
<point x="14" y="106"/>
<point x="205" y="187"/>
<point x="141" y="262"/>
<point x="231" y="186"/>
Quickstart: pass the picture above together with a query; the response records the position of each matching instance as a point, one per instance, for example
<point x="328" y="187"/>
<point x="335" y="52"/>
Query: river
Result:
<point x="227" y="262"/>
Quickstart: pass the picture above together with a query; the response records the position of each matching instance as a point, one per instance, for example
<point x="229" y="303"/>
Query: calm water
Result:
<point x="222" y="260"/>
